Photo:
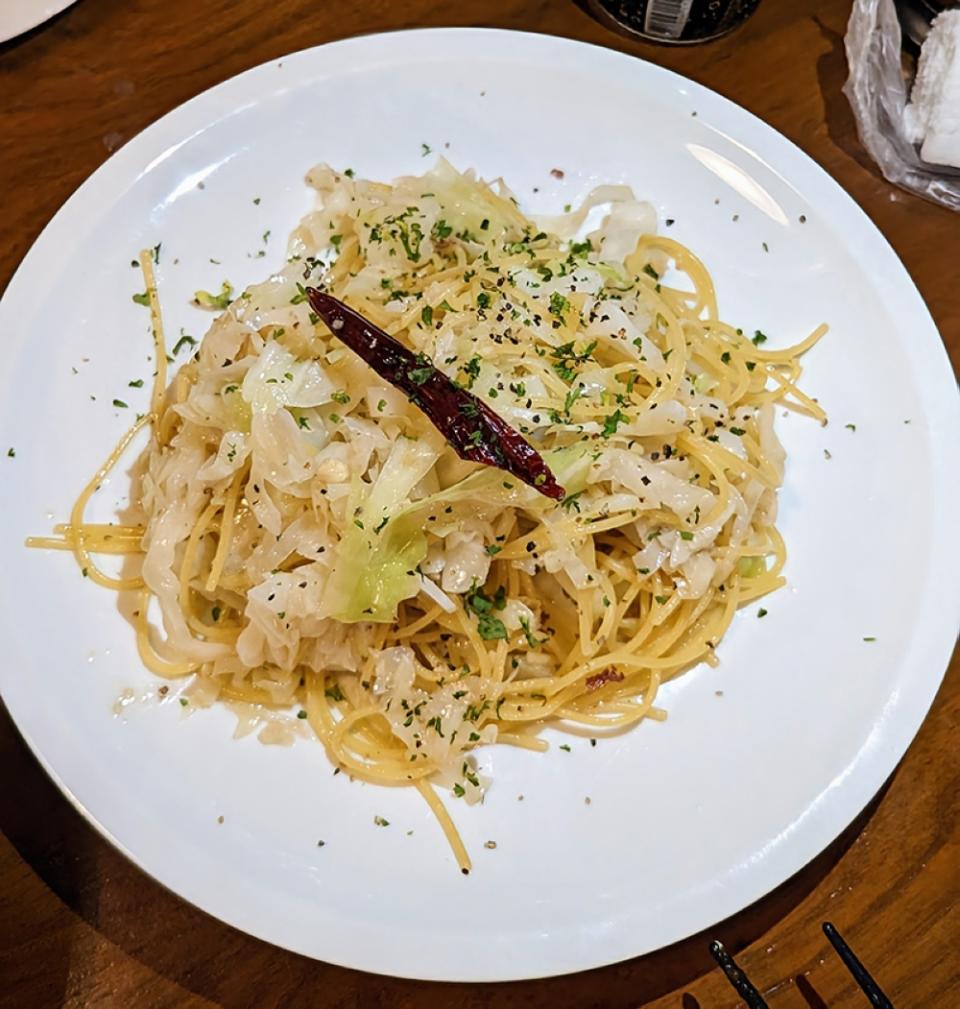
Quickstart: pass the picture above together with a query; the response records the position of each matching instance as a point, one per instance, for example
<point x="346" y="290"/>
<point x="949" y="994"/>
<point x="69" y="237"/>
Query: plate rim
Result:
<point x="861" y="787"/>
<point x="45" y="12"/>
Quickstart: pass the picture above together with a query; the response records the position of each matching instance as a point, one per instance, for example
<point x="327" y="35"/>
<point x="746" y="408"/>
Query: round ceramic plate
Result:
<point x="761" y="762"/>
<point x="19" y="16"/>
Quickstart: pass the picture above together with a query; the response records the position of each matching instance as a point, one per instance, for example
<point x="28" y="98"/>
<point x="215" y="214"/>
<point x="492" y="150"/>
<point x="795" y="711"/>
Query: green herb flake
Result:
<point x="685" y="534"/>
<point x="611" y="423"/>
<point x="491" y="628"/>
<point x="759" y="337"/>
<point x="119" y="403"/>
<point x="571" y="501"/>
<point x="142" y="299"/>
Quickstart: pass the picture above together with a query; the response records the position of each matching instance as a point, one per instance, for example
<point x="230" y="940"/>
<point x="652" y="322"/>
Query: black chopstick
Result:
<point x="736" y="977"/>
<point x="860" y="973"/>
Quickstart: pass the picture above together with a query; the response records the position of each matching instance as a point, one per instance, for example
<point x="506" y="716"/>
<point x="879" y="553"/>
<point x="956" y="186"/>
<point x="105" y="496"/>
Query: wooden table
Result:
<point x="81" y="927"/>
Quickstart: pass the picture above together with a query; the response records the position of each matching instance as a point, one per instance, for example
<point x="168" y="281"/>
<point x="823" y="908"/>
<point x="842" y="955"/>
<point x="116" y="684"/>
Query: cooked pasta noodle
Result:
<point x="311" y="541"/>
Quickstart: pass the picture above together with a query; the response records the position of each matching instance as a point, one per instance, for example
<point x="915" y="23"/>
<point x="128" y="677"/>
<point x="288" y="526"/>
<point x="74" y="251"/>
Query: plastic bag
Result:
<point x="878" y="96"/>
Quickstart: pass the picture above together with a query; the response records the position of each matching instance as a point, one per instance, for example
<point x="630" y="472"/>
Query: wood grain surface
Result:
<point x="81" y="927"/>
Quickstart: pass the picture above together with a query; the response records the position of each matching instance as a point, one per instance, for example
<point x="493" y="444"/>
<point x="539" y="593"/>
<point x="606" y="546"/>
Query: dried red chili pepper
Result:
<point x="469" y="425"/>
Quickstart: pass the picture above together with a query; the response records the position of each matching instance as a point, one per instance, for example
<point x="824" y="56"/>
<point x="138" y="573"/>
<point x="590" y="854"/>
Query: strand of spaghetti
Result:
<point x="450" y="832"/>
<point x="226" y="531"/>
<point x="803" y="400"/>
<point x="159" y="342"/>
<point x="148" y="654"/>
<point x="523" y="742"/>
<point x="80" y="551"/>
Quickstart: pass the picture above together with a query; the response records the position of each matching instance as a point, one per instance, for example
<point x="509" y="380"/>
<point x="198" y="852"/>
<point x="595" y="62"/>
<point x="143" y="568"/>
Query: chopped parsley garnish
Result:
<point x="381" y="822"/>
<point x="341" y="397"/>
<point x="532" y="641"/>
<point x="570" y="501"/>
<point x="567" y="358"/>
<point x="142" y="299"/>
<point x="651" y="272"/>
<point x="759" y="337"/>
<point x="725" y="357"/>
<point x="558" y="303"/>
<point x="301" y="713"/>
<point x="381" y="406"/>
<point x="334" y="692"/>
<point x="184" y="341"/>
<point x="472" y="368"/>
<point x="120" y="404"/>
<point x="425" y="149"/>
<point x="493" y="549"/>
<point x="491" y="628"/>
<point x="483" y="300"/>
<point x="685" y="534"/>
<point x="420" y="375"/>
<point x="426" y="315"/>
<point x="738" y="431"/>
<point x="761" y="613"/>
<point x="610" y="423"/>
<point x="137" y="383"/>
<point x="662" y="600"/>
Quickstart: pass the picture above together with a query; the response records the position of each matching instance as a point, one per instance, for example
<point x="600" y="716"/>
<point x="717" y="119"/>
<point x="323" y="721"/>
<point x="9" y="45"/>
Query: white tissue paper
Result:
<point x="878" y="96"/>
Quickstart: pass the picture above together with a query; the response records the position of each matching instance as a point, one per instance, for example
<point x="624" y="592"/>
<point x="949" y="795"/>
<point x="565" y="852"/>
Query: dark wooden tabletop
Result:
<point x="82" y="927"/>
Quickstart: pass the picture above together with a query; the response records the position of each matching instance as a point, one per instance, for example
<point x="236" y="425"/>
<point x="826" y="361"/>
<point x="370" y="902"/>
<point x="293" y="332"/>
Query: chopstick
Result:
<point x="860" y="973"/>
<point x="736" y="976"/>
<point x="754" y="1000"/>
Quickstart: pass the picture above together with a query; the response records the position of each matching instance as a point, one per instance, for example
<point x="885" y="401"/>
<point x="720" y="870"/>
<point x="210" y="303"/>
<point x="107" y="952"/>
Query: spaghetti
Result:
<point x="310" y="539"/>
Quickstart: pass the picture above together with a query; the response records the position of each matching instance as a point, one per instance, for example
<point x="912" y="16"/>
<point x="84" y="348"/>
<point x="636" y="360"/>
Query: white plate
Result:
<point x="19" y="16"/>
<point x="690" y="820"/>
